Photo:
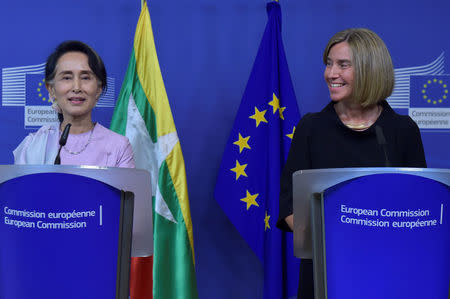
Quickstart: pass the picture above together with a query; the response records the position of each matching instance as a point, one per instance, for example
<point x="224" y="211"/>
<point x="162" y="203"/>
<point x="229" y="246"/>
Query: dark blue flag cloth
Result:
<point x="248" y="183"/>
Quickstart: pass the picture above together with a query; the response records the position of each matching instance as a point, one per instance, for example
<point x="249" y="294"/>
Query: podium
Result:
<point x="374" y="232"/>
<point x="69" y="232"/>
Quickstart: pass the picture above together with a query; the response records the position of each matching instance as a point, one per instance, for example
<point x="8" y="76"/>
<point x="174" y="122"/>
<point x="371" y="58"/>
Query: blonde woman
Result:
<point x="359" y="76"/>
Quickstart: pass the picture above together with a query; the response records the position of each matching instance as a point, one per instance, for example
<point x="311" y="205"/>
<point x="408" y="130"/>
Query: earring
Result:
<point x="55" y="105"/>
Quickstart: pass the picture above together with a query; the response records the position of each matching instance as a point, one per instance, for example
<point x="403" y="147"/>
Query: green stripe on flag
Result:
<point x="176" y="259"/>
<point x="144" y="107"/>
<point x="131" y="84"/>
<point x="168" y="192"/>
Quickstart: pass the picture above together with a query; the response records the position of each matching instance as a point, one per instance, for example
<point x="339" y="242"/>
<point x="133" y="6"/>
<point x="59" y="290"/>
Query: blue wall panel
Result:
<point x="206" y="50"/>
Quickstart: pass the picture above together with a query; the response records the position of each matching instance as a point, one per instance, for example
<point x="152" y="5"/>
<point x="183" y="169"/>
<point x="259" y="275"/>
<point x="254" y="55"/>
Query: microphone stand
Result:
<point x="62" y="142"/>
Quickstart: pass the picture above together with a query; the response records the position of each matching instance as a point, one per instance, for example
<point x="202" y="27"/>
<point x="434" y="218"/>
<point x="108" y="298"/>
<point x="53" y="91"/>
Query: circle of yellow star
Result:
<point x="432" y="82"/>
<point x="250" y="200"/>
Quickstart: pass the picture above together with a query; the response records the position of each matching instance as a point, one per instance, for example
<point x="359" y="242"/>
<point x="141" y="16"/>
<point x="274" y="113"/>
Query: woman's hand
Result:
<point x="290" y="221"/>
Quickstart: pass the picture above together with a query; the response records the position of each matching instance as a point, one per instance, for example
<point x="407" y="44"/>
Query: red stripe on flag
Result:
<point x="141" y="280"/>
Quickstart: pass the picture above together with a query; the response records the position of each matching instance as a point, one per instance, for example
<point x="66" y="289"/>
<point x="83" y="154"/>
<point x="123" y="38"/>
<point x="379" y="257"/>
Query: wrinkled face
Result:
<point x="339" y="72"/>
<point x="75" y="87"/>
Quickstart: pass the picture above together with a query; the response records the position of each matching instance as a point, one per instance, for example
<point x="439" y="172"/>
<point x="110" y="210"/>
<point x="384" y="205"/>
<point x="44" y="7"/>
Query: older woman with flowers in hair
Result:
<point x="359" y="76"/>
<point x="75" y="78"/>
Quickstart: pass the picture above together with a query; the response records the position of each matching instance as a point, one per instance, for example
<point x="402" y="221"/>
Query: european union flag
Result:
<point x="36" y="92"/>
<point x="248" y="183"/>
<point x="431" y="91"/>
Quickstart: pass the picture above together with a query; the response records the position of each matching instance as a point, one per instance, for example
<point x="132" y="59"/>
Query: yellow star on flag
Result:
<point x="275" y="103"/>
<point x="239" y="170"/>
<point x="266" y="222"/>
<point x="242" y="143"/>
<point x="250" y="200"/>
<point x="281" y="110"/>
<point x="292" y="134"/>
<point x="259" y="116"/>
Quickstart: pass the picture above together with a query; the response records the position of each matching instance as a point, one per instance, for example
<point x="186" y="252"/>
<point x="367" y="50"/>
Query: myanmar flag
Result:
<point x="143" y="114"/>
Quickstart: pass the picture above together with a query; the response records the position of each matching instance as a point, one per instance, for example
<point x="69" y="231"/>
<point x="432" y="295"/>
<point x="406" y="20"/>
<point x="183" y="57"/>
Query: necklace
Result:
<point x="358" y="127"/>
<point x="84" y="147"/>
<point x="364" y="125"/>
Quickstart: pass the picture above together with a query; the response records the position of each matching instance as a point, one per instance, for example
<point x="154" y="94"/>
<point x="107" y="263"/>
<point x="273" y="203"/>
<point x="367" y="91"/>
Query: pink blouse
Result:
<point x="98" y="147"/>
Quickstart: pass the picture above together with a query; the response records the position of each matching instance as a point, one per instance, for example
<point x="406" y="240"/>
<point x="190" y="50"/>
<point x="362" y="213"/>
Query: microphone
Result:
<point x="382" y="141"/>
<point x="62" y="142"/>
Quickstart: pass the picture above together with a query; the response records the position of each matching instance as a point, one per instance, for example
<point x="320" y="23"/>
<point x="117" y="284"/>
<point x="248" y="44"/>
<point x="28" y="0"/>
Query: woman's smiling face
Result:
<point x="75" y="87"/>
<point x="339" y="72"/>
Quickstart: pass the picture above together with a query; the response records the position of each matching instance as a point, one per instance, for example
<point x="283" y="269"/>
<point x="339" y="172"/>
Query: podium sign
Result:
<point x="385" y="236"/>
<point x="133" y="180"/>
<point x="308" y="182"/>
<point x="60" y="237"/>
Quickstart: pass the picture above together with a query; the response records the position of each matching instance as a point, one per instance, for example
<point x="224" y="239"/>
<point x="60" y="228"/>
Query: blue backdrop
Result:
<point x="206" y="50"/>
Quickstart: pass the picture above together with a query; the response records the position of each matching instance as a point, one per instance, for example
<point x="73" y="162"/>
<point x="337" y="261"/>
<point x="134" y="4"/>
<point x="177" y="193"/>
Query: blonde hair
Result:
<point x="373" y="71"/>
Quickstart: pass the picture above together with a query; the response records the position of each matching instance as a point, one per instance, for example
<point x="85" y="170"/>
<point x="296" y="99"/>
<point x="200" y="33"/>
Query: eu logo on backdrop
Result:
<point x="38" y="110"/>
<point x="430" y="101"/>
<point x="430" y="91"/>
<point x="423" y="91"/>
<point x="35" y="90"/>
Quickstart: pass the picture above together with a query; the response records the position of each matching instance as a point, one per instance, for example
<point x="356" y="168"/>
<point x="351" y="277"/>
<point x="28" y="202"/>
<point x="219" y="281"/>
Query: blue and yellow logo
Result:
<point x="430" y="91"/>
<point x="41" y="91"/>
<point x="36" y="93"/>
